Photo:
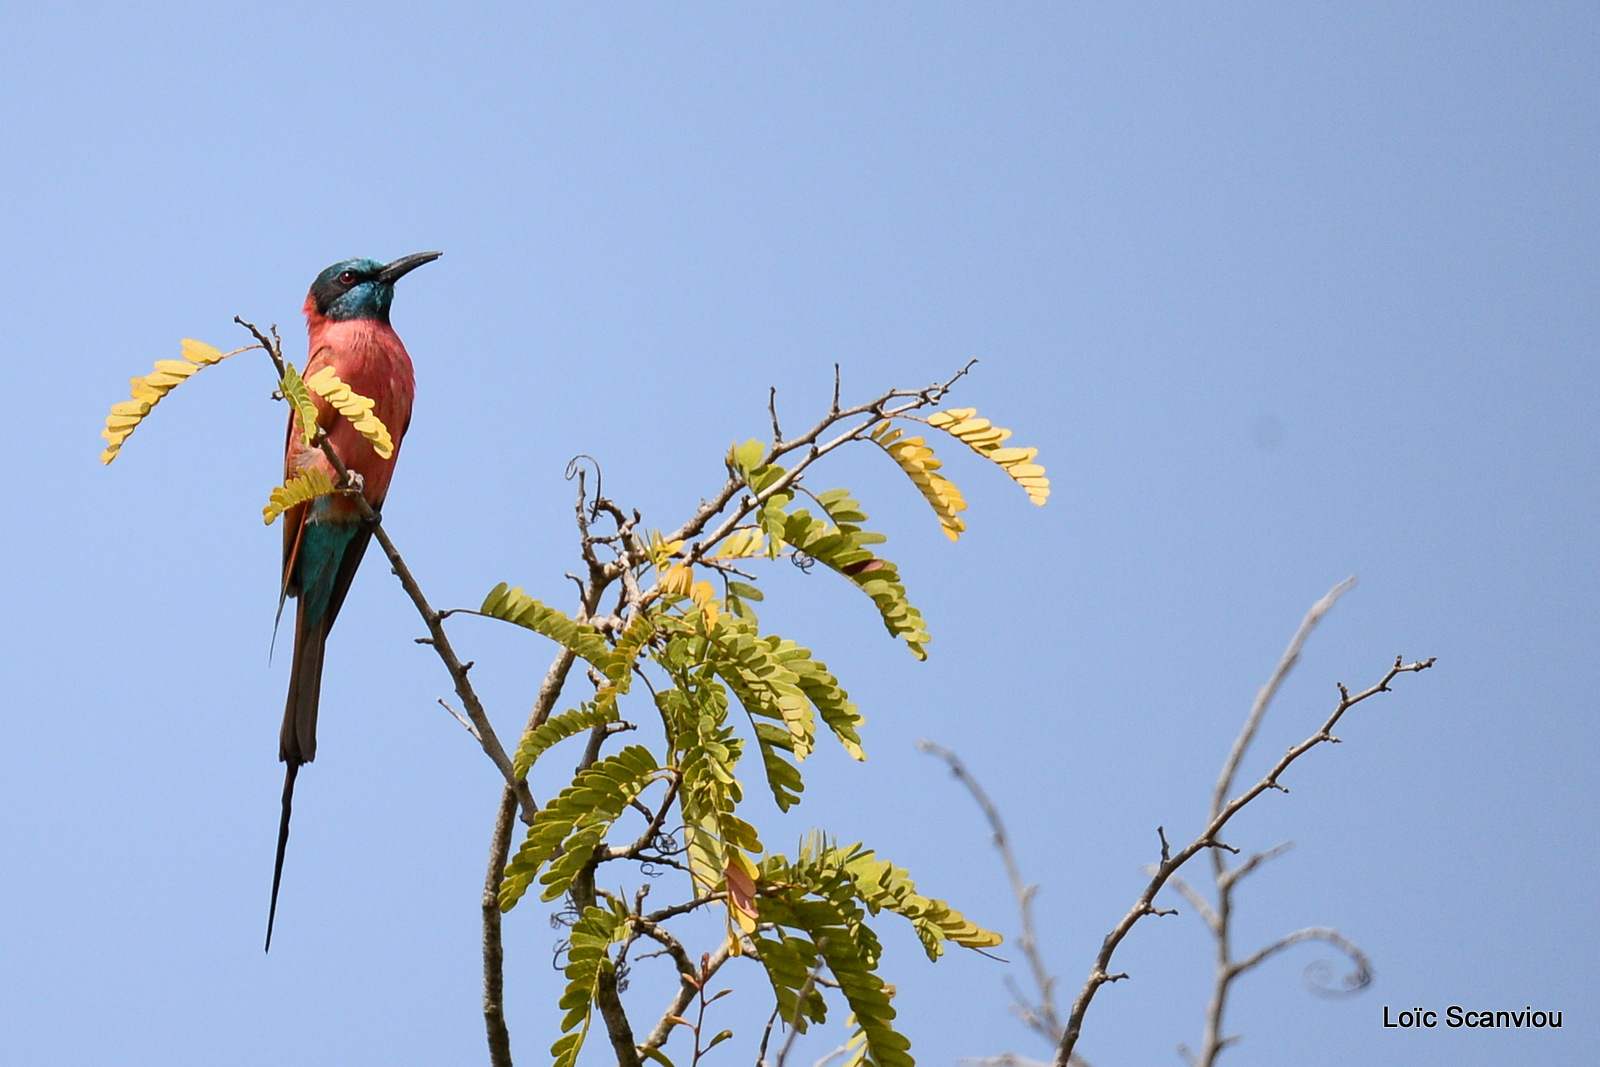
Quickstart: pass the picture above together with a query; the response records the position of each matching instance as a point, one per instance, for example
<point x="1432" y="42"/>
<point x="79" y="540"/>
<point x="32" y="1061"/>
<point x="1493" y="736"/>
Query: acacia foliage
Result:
<point x="722" y="688"/>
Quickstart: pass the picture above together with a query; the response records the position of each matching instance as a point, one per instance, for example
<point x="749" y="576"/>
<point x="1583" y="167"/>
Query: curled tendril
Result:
<point x="575" y="470"/>
<point x="1319" y="973"/>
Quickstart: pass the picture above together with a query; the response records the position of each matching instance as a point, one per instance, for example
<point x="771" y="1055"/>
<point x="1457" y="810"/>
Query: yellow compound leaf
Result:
<point x="293" y="388"/>
<point x="353" y="406"/>
<point x="301" y="489"/>
<point x="917" y="460"/>
<point x="987" y="440"/>
<point x="148" y="391"/>
<point x="741" y="544"/>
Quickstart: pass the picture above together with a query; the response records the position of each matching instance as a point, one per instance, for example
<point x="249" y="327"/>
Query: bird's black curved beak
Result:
<point x="393" y="272"/>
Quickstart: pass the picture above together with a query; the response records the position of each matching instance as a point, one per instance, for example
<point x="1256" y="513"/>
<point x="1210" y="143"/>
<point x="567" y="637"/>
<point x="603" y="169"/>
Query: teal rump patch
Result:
<point x="321" y="550"/>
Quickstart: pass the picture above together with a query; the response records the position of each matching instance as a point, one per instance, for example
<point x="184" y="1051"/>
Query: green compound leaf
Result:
<point x="834" y="928"/>
<point x="556" y="729"/>
<point x="293" y="388"/>
<point x="779" y="684"/>
<point x="842" y="545"/>
<point x="588" y="963"/>
<point x="575" y="822"/>
<point x="515" y="606"/>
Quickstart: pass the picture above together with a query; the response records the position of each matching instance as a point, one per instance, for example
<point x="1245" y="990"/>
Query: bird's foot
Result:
<point x="373" y="520"/>
<point x="353" y="482"/>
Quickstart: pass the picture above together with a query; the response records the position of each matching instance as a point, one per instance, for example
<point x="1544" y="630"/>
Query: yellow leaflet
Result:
<point x="742" y="543"/>
<point x="293" y="388"/>
<point x="676" y="580"/>
<point x="704" y="599"/>
<point x="148" y="391"/>
<point x="986" y="440"/>
<point x="353" y="406"/>
<point x="661" y="549"/>
<point x="202" y="353"/>
<point x="917" y="460"/>
<point x="301" y="489"/>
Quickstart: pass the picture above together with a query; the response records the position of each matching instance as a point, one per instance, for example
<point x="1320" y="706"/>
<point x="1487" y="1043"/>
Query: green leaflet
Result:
<point x="558" y="728"/>
<point x="783" y="777"/>
<point x="515" y="606"/>
<point x="588" y="960"/>
<point x="855" y="1045"/>
<point x="619" y="666"/>
<point x="841" y="545"/>
<point x="576" y="822"/>
<point x="615" y="663"/>
<point x="739" y="595"/>
<point x="825" y="694"/>
<point x="769" y="690"/>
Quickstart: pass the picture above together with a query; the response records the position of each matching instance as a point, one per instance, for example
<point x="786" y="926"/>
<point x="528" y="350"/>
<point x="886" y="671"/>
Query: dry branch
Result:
<point x="1224" y="810"/>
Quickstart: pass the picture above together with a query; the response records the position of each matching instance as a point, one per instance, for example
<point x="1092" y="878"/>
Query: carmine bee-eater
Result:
<point x="347" y="316"/>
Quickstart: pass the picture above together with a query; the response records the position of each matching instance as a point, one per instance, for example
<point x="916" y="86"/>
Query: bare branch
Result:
<point x="1208" y="838"/>
<point x="634" y="850"/>
<point x="686" y="907"/>
<point x="842" y="1050"/>
<point x="1192" y="895"/>
<point x="460" y="718"/>
<point x="1232" y="876"/>
<point x="1041" y="1017"/>
<point x="878" y="410"/>
<point x="1291" y="656"/>
<point x="494" y="1011"/>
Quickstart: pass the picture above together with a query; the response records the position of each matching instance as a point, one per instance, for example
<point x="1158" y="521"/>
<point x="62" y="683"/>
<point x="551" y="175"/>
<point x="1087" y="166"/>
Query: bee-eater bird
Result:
<point x="347" y="316"/>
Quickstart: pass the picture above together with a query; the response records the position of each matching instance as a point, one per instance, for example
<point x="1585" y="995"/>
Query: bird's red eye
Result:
<point x="347" y="277"/>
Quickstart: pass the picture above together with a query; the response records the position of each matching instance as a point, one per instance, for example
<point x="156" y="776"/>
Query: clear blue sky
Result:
<point x="1282" y="292"/>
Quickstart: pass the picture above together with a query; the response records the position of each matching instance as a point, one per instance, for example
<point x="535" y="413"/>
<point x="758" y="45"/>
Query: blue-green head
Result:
<point x="362" y="288"/>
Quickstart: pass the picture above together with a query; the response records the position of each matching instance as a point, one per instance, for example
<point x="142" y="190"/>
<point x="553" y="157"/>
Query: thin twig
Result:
<point x="1286" y="662"/>
<point x="1043" y="1017"/>
<point x="686" y="993"/>
<point x="460" y="718"/>
<point x="879" y="409"/>
<point x="643" y="841"/>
